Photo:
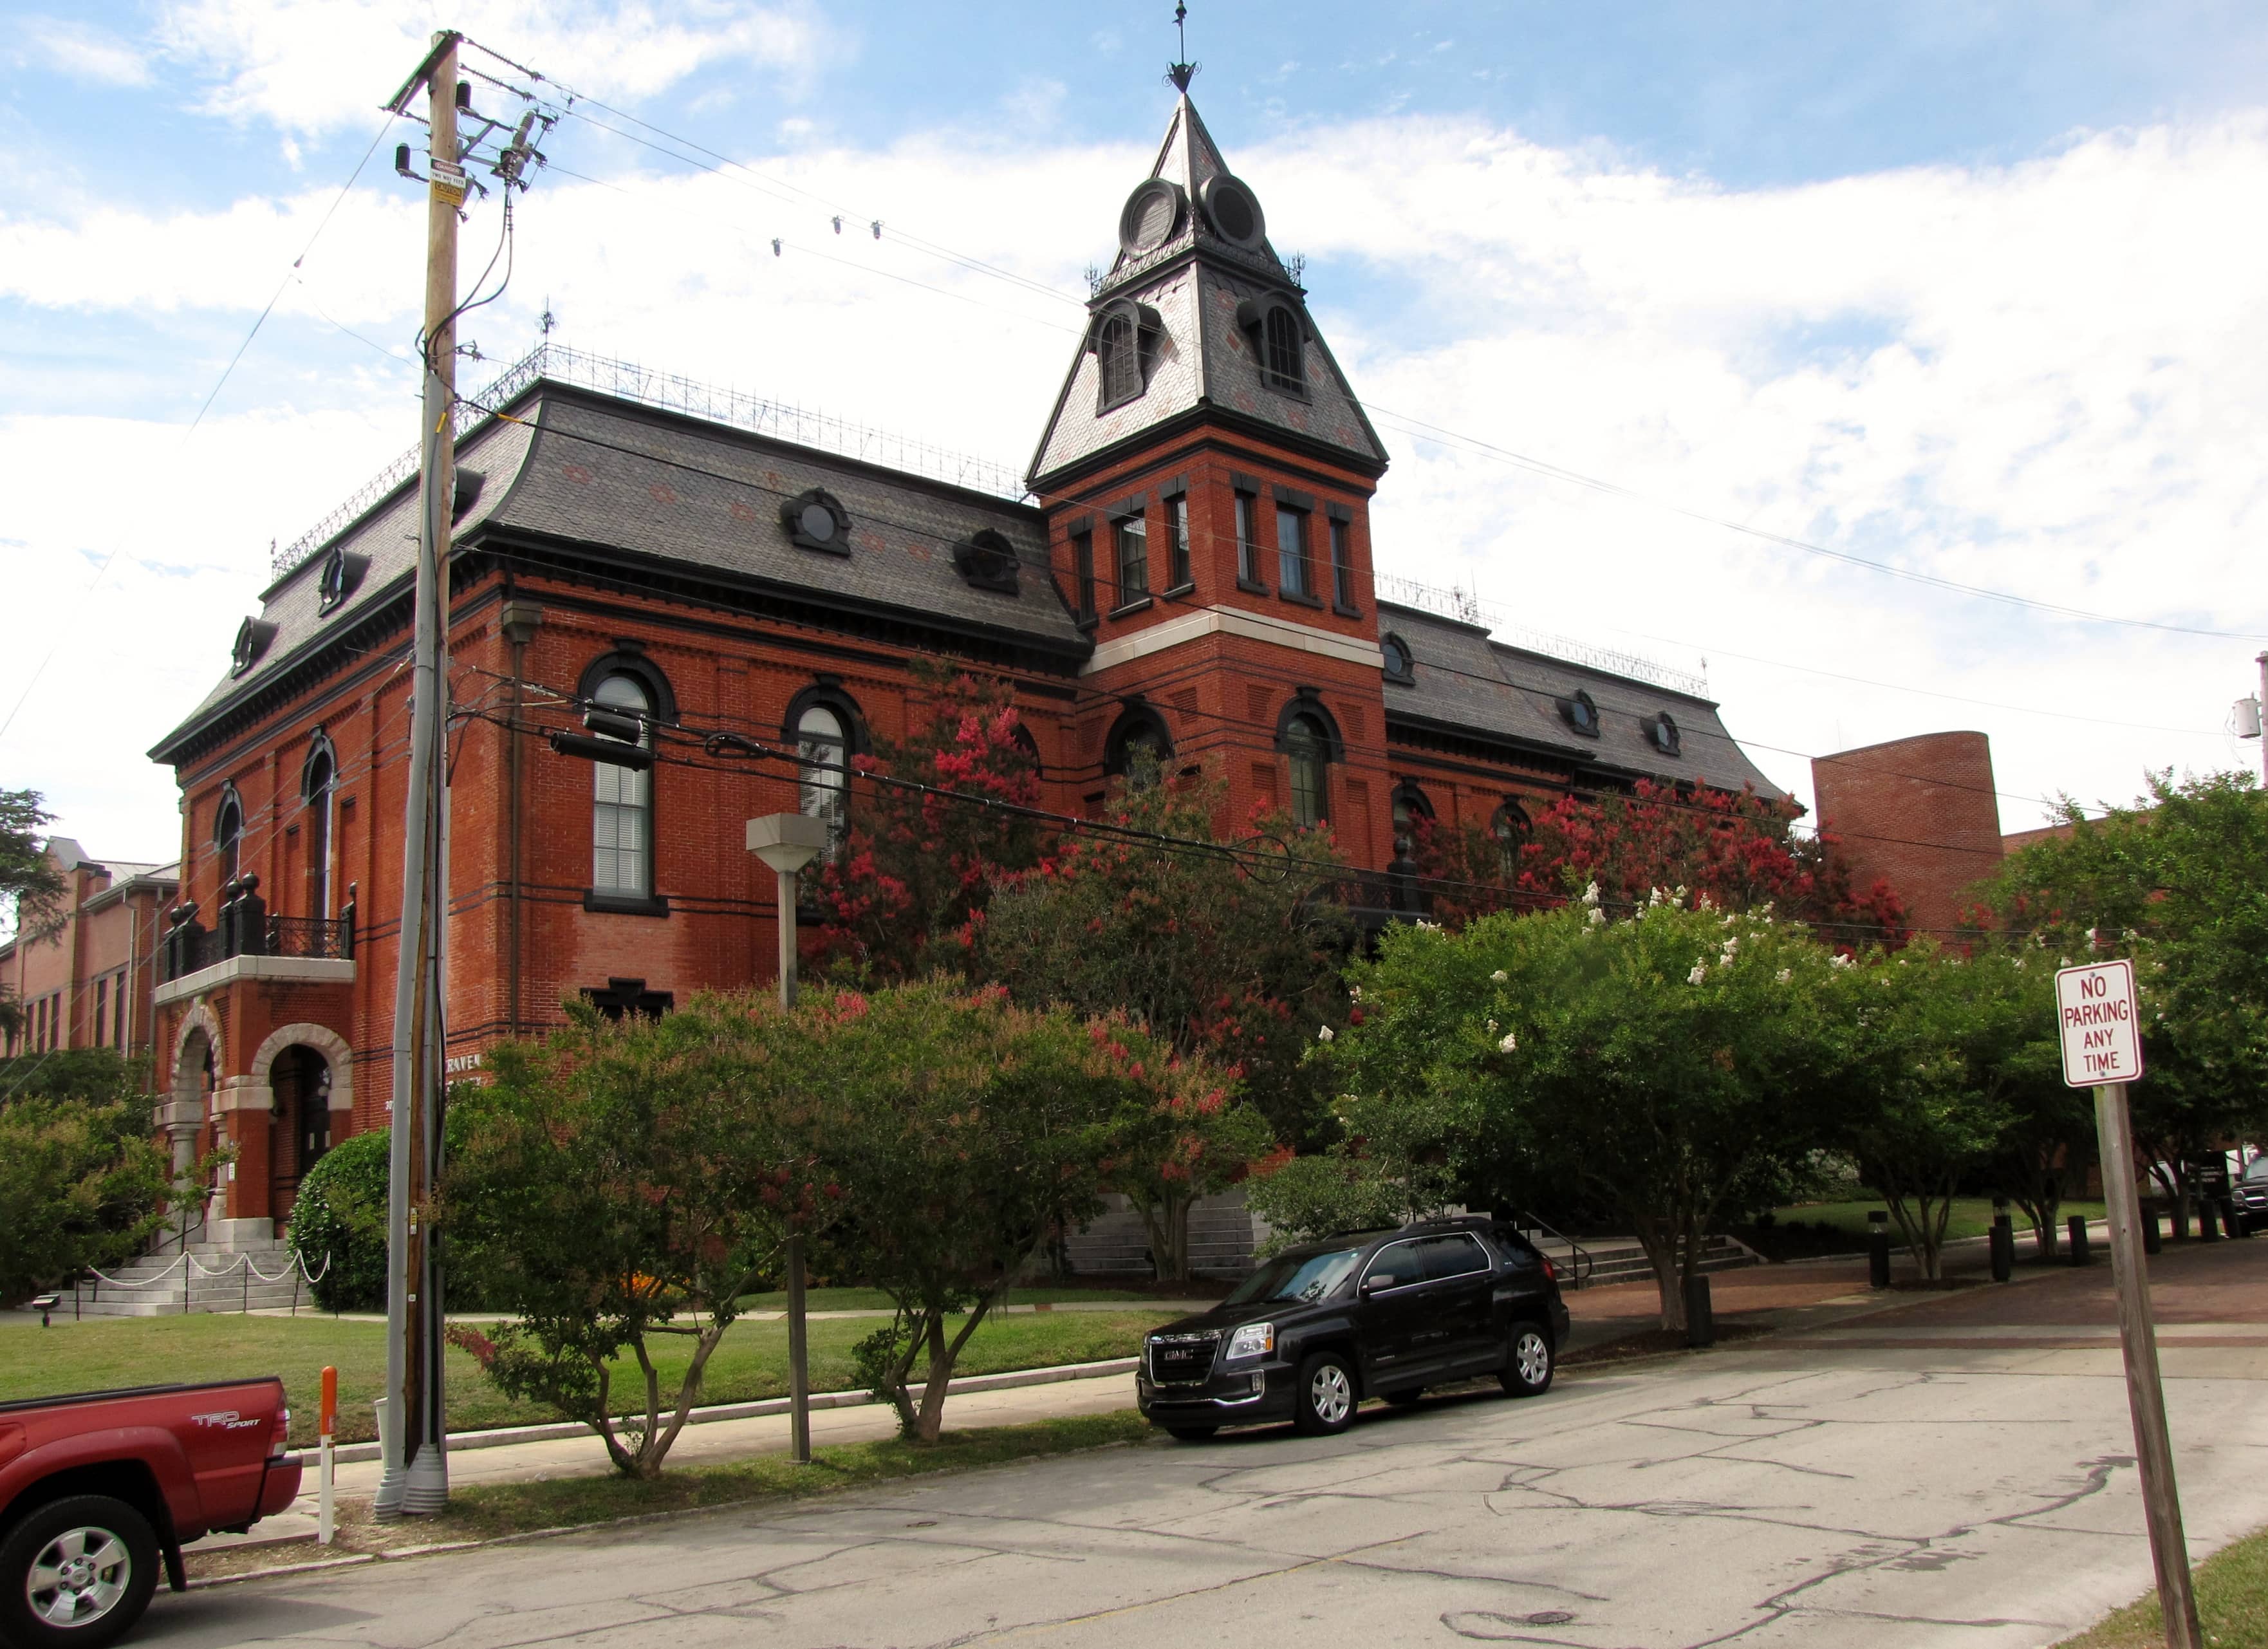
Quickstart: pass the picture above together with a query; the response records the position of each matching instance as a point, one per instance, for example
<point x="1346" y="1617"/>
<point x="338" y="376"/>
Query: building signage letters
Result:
<point x="2101" y="1029"/>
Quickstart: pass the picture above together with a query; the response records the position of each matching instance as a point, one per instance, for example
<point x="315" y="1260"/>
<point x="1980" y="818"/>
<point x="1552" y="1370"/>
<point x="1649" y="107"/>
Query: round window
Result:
<point x="1235" y="212"/>
<point x="817" y="521"/>
<point x="1397" y="656"/>
<point x="1154" y="212"/>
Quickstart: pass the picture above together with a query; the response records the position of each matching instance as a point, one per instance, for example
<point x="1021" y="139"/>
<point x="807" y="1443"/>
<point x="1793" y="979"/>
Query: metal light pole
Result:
<point x="787" y="842"/>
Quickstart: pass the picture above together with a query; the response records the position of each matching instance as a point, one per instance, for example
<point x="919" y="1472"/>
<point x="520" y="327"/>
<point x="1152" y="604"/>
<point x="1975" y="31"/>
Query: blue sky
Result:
<point x="1969" y="288"/>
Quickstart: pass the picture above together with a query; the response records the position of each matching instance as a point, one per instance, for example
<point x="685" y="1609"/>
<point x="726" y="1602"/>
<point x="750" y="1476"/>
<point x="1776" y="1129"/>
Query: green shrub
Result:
<point x="340" y="1214"/>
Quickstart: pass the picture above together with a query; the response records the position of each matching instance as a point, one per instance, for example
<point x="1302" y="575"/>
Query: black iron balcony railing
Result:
<point x="246" y="929"/>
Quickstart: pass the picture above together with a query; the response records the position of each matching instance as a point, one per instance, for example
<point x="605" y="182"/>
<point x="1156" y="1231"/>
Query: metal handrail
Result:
<point x="1580" y="1263"/>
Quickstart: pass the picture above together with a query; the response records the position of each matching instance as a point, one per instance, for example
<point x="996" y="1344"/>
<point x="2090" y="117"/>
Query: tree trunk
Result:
<point x="1662" y="1253"/>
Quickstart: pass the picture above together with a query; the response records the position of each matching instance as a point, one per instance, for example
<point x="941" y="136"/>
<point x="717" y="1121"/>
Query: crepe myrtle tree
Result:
<point x="965" y="1131"/>
<point x="1936" y="1053"/>
<point x="1661" y="1063"/>
<point x="896" y="902"/>
<point x="2171" y="881"/>
<point x="1228" y="944"/>
<point x="618" y="1182"/>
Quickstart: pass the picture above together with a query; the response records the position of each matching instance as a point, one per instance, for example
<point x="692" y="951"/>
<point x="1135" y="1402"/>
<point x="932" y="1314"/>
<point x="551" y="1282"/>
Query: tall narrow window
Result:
<point x="1510" y="828"/>
<point x="822" y="744"/>
<point x="621" y="812"/>
<point x="101" y="1010"/>
<point x="1342" y="563"/>
<point x="1292" y="574"/>
<point x="1286" y="368"/>
<point x="317" y="788"/>
<point x="118" y="1013"/>
<point x="1247" y="538"/>
<point x="1177" y="530"/>
<point x="1082" y="561"/>
<point x="228" y="836"/>
<point x="1309" y="748"/>
<point x="1122" y="367"/>
<point x="1133" y="559"/>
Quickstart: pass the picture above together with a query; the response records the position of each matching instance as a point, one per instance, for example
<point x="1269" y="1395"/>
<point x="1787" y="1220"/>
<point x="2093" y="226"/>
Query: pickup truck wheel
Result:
<point x="1527" y="1361"/>
<point x="76" y="1571"/>
<point x="1326" y="1396"/>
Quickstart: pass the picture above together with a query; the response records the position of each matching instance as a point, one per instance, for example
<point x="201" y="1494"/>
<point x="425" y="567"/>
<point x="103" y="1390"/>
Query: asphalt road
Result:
<point x="1926" y="1481"/>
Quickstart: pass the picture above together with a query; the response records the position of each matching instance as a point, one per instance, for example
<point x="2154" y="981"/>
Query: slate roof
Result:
<point x="1465" y="682"/>
<point x="1195" y="279"/>
<point x="578" y="467"/>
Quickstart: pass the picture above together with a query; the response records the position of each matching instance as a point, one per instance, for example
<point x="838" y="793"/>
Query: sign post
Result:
<point x="326" y="1460"/>
<point x="2102" y="1036"/>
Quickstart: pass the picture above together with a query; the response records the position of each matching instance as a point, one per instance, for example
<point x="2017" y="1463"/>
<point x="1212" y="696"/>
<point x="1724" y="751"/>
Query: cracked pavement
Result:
<point x="1935" y="1489"/>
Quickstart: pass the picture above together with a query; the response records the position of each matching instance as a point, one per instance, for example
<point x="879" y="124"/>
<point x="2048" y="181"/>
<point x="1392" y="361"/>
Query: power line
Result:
<point x="717" y="163"/>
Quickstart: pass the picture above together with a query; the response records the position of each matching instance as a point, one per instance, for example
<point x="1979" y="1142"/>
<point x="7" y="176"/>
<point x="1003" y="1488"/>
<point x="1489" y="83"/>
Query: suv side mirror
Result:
<point x="1370" y="1286"/>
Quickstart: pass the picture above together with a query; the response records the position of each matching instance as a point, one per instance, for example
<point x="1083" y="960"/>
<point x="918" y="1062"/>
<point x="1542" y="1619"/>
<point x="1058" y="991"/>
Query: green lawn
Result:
<point x="875" y="1300"/>
<point x="2232" y="1592"/>
<point x="113" y="1351"/>
<point x="1973" y="1217"/>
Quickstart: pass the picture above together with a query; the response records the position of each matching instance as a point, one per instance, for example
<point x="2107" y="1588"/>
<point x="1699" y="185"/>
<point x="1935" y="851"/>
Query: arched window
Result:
<point x="1398" y="665"/>
<point x="1410" y="805"/>
<point x="1307" y="745"/>
<point x="317" y="786"/>
<point x="1662" y="733"/>
<point x="1286" y="368"/>
<point x="1138" y="747"/>
<point x="1510" y="828"/>
<point x="228" y="833"/>
<point x="1582" y="713"/>
<point x="1121" y="364"/>
<point x="621" y="812"/>
<point x="822" y="744"/>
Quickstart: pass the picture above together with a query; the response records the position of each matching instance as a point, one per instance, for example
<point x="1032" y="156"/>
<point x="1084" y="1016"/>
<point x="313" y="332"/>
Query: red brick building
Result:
<point x="1922" y="813"/>
<point x="87" y="981"/>
<point x="1188" y="566"/>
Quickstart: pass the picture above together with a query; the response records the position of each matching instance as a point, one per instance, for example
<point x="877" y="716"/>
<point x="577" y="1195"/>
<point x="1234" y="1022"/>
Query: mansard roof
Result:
<point x="1201" y="286"/>
<point x="1465" y="684"/>
<point x="595" y="480"/>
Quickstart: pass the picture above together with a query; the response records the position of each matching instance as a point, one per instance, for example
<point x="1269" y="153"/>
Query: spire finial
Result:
<point x="1184" y="71"/>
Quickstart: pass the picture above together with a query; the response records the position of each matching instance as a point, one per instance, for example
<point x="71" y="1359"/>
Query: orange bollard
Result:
<point x="327" y="1423"/>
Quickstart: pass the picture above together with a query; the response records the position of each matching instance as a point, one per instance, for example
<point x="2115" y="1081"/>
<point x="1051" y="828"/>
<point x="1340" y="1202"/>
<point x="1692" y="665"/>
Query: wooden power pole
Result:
<point x="416" y="1479"/>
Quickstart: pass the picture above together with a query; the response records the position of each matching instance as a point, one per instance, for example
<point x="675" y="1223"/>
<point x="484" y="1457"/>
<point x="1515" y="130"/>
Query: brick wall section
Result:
<point x="1919" y="812"/>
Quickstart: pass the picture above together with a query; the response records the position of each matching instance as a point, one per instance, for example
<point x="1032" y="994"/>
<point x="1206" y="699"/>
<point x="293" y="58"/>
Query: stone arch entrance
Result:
<point x="308" y="1072"/>
<point x="189" y="1114"/>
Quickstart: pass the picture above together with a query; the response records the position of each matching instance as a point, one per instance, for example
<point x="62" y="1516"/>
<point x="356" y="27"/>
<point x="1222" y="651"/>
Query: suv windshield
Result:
<point x="2257" y="1169"/>
<point x="1296" y="1277"/>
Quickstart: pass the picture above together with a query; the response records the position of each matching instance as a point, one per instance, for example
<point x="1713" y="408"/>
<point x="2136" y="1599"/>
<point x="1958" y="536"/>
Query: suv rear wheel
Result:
<point x="75" y="1571"/>
<point x="1527" y="1361"/>
<point x="1326" y="1397"/>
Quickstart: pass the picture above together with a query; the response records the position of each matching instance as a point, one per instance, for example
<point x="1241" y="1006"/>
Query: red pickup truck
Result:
<point x="95" y="1489"/>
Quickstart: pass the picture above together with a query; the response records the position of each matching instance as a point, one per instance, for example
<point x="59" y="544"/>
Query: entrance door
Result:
<point x="301" y="1122"/>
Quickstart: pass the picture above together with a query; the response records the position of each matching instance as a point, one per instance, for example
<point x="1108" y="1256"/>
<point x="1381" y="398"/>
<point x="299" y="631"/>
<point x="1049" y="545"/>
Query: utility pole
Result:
<point x="416" y="1479"/>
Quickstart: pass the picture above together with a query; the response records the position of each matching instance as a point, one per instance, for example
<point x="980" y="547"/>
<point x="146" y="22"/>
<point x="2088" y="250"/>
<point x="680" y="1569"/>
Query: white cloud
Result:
<point x="79" y="50"/>
<point x="313" y="66"/>
<point x="2039" y="378"/>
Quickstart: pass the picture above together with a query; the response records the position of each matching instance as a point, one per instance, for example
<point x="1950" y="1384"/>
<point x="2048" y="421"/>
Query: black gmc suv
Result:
<point x="1383" y="1313"/>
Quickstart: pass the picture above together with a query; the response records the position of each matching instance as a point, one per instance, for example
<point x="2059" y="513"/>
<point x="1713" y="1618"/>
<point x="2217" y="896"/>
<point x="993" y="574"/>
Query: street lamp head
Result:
<point x="787" y="842"/>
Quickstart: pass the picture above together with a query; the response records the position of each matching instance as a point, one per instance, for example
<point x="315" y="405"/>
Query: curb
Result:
<point x="557" y="1431"/>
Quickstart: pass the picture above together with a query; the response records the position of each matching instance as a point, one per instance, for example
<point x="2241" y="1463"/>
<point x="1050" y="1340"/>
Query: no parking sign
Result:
<point x="2100" y="1025"/>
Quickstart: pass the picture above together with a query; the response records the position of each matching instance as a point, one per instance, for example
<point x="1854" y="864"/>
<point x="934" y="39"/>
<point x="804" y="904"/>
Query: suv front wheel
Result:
<point x="1527" y="1362"/>
<point x="1326" y="1397"/>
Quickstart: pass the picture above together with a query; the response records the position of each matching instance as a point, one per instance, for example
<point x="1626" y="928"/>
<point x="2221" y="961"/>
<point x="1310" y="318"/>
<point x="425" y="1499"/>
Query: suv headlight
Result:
<point x="1254" y="1339"/>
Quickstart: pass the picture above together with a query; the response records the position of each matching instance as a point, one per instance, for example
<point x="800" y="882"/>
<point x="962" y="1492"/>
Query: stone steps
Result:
<point x="217" y="1281"/>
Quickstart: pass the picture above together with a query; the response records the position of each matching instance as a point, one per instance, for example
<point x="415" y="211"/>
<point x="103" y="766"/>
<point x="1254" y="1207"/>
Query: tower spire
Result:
<point x="1184" y="71"/>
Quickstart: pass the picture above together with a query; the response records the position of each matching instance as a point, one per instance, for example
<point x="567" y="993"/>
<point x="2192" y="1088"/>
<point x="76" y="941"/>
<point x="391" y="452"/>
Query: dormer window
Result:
<point x="987" y="561"/>
<point x="252" y="639"/>
<point x="341" y="573"/>
<point x="1125" y="341"/>
<point x="1277" y="335"/>
<point x="1582" y="713"/>
<point x="815" y="520"/>
<point x="1399" y="665"/>
<point x="1661" y="732"/>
